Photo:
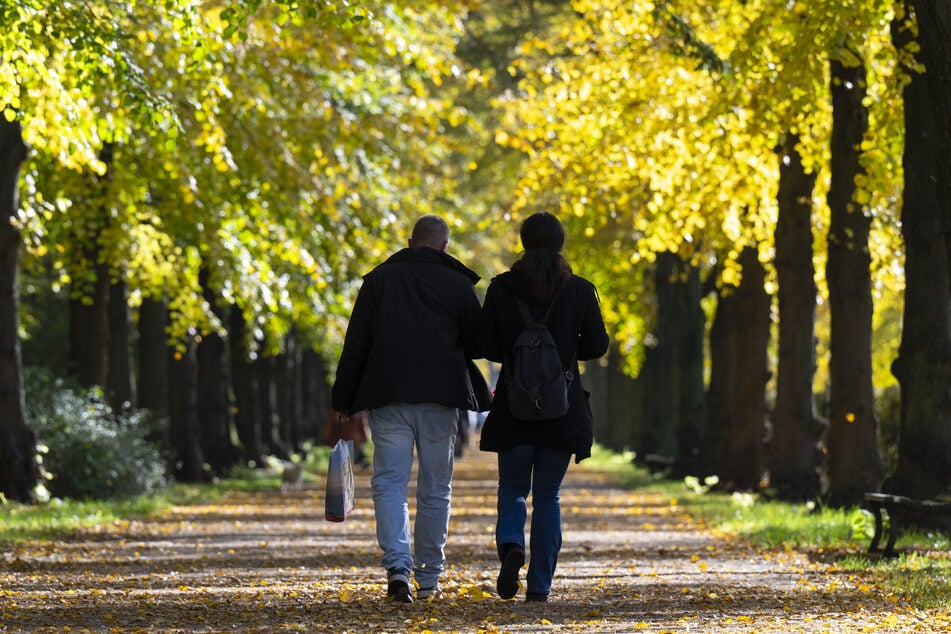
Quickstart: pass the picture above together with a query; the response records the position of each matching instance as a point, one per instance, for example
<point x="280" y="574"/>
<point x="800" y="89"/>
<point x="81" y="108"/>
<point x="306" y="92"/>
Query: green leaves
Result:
<point x="281" y="144"/>
<point x="652" y="126"/>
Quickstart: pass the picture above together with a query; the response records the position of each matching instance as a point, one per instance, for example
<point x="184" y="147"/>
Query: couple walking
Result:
<point x="415" y="326"/>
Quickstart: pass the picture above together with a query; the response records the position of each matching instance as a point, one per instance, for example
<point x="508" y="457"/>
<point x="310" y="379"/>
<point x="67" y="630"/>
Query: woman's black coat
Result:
<point x="578" y="329"/>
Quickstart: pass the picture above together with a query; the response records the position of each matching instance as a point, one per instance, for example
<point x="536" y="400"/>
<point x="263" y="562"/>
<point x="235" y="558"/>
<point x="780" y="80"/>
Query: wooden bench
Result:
<point x="904" y="512"/>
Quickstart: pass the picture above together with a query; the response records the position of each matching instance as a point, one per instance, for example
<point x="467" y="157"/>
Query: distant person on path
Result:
<point x="534" y="455"/>
<point x="405" y="361"/>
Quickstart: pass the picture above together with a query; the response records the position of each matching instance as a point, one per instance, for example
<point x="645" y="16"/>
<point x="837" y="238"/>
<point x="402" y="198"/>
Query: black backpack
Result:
<point x="537" y="382"/>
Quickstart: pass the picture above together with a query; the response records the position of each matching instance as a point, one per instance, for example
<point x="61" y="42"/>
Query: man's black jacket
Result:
<point x="412" y="329"/>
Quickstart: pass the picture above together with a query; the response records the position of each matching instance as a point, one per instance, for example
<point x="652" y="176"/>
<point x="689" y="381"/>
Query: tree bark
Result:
<point x="692" y="406"/>
<point x="89" y="328"/>
<point x="854" y="464"/>
<point x="153" y="357"/>
<point x="735" y="439"/>
<point x="315" y="393"/>
<point x="214" y="404"/>
<point x="288" y="394"/>
<point x="184" y="426"/>
<point x="121" y="382"/>
<point x="659" y="372"/>
<point x="616" y="401"/>
<point x="795" y="454"/>
<point x="89" y="298"/>
<point x="923" y="366"/>
<point x="265" y="371"/>
<point x="247" y="411"/>
<point x="19" y="470"/>
<point x="673" y="369"/>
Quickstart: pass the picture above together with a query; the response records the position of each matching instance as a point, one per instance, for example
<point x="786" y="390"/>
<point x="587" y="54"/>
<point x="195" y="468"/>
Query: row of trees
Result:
<point x="723" y="138"/>
<point x="222" y="176"/>
<point x="187" y="167"/>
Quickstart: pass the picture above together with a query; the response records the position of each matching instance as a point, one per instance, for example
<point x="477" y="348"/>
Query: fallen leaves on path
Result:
<point x="264" y="562"/>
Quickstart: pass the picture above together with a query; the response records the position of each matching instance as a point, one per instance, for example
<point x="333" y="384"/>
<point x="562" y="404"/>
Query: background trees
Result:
<point x="207" y="184"/>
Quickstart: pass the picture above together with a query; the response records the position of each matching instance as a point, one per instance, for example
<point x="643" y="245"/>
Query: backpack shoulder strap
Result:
<point x="526" y="314"/>
<point x="550" y="306"/>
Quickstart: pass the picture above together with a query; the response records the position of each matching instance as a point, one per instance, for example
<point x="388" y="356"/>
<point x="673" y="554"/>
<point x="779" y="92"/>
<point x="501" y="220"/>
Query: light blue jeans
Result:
<point x="396" y="430"/>
<point x="540" y="470"/>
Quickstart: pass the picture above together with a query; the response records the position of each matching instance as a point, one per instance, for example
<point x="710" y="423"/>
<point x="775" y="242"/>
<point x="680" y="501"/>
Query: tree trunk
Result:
<point x="315" y="393"/>
<point x="660" y="371"/>
<point x="673" y="369"/>
<point x="691" y="411"/>
<point x="121" y="384"/>
<point x="89" y="327"/>
<point x="923" y="366"/>
<point x="184" y="426"/>
<point x="89" y="298"/>
<point x="214" y="406"/>
<point x="244" y="384"/>
<point x="19" y="471"/>
<point x="616" y="401"/>
<point x="734" y="443"/>
<point x="288" y="393"/>
<point x="795" y="455"/>
<point x="153" y="357"/>
<point x="267" y="401"/>
<point x="854" y="464"/>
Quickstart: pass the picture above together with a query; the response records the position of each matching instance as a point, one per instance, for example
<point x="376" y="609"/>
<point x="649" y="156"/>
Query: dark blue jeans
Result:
<point x="539" y="470"/>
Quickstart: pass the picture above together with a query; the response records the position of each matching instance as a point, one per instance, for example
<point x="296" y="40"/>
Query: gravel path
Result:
<point x="263" y="562"/>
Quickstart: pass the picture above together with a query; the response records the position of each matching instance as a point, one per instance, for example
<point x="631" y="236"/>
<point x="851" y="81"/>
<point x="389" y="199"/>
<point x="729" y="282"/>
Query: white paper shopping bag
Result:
<point x="339" y="497"/>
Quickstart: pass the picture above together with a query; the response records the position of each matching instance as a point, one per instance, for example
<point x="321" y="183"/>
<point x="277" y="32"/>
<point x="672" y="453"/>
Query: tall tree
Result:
<point x="795" y="456"/>
<point x="188" y="461"/>
<point x="153" y="387"/>
<point x="121" y="389"/>
<point x="672" y="371"/>
<point x="734" y="446"/>
<point x="854" y="463"/>
<point x="19" y="469"/>
<point x="90" y="323"/>
<point x="214" y="402"/>
<point x="247" y="415"/>
<point x="923" y="366"/>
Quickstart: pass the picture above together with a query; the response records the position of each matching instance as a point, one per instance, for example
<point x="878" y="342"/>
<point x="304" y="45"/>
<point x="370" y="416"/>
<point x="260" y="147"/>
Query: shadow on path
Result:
<point x="267" y="561"/>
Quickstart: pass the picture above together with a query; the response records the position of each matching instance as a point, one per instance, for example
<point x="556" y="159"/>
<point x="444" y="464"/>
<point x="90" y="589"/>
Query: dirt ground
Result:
<point x="269" y="562"/>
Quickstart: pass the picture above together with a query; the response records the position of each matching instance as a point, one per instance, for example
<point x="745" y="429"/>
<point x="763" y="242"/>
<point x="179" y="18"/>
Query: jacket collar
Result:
<point x="431" y="256"/>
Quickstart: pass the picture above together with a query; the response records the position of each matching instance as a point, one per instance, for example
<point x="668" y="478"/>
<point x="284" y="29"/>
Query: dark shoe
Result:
<point x="433" y="592"/>
<point x="512" y="561"/>
<point x="536" y="597"/>
<point x="397" y="585"/>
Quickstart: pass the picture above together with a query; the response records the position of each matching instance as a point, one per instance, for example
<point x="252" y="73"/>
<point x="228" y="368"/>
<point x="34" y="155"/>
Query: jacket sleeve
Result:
<point x="593" y="339"/>
<point x="356" y="349"/>
<point x="489" y="344"/>
<point x="469" y="325"/>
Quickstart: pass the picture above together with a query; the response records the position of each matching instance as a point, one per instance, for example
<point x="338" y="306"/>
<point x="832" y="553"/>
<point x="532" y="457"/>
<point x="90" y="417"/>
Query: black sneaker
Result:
<point x="397" y="585"/>
<point x="512" y="561"/>
<point x="433" y="592"/>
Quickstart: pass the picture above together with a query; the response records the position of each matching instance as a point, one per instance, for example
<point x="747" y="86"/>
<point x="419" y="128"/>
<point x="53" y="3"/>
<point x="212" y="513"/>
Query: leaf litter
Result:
<point x="632" y="561"/>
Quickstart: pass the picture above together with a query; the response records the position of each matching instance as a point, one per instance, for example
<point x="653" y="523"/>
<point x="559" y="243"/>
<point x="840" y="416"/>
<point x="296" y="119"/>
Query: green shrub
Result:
<point x="87" y="450"/>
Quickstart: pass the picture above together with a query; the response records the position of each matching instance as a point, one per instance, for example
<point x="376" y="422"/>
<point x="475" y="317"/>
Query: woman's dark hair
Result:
<point x="541" y="270"/>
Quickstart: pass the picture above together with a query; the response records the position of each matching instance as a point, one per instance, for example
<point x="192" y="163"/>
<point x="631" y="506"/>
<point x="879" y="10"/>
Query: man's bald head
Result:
<point x="430" y="231"/>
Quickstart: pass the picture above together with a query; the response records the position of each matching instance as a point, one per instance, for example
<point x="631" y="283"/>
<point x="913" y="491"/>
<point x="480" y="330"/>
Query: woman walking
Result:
<point x="534" y="454"/>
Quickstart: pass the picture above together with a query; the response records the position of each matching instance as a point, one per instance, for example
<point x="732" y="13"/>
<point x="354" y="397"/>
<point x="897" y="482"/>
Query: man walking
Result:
<point x="404" y="360"/>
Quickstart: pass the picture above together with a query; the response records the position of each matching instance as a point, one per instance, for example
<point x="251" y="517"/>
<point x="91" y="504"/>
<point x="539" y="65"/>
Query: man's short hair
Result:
<point x="431" y="231"/>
